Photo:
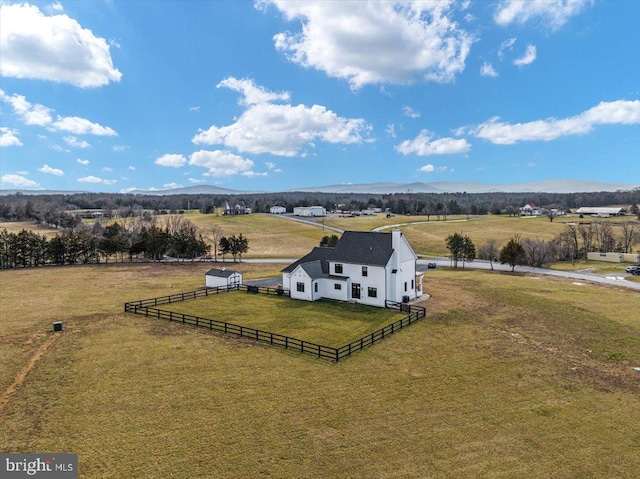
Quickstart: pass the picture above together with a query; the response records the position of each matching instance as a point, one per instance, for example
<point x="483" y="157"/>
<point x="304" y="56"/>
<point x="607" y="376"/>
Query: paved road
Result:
<point x="612" y="280"/>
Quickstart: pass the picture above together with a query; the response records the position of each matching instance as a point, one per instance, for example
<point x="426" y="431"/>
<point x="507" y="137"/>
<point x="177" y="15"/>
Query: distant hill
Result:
<point x="551" y="186"/>
<point x="192" y="190"/>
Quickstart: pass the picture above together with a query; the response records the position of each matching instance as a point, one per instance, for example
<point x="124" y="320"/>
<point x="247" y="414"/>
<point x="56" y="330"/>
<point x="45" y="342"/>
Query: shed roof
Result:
<point x="222" y="273"/>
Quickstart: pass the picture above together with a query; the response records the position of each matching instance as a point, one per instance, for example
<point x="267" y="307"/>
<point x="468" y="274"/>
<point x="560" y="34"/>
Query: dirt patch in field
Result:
<point x="24" y="371"/>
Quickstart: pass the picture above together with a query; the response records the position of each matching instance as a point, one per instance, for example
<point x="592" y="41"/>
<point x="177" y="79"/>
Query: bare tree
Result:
<point x="550" y="213"/>
<point x="214" y="234"/>
<point x="490" y="251"/>
<point x="567" y="243"/>
<point x="603" y="233"/>
<point x="630" y="236"/>
<point x="587" y="234"/>
<point x="538" y="253"/>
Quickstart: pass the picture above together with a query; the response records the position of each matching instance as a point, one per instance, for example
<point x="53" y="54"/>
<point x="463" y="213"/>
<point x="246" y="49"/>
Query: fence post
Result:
<point x="170" y="316"/>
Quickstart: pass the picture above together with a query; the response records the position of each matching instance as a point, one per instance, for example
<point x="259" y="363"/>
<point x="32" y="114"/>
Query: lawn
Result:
<point x="324" y="322"/>
<point x="508" y="376"/>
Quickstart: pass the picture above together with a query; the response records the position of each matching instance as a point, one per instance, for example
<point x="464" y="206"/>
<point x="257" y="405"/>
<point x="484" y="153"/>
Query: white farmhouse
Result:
<point x="366" y="267"/>
<point x="309" y="211"/>
<point x="277" y="210"/>
<point x="222" y="278"/>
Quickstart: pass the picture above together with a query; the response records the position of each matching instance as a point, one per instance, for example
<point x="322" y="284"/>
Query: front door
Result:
<point x="355" y="291"/>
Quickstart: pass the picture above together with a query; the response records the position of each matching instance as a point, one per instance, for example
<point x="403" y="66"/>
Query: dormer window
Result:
<point x="338" y="268"/>
<point x="365" y="272"/>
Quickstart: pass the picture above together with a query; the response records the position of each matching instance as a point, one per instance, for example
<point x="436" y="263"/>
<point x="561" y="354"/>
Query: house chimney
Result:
<point x="395" y="238"/>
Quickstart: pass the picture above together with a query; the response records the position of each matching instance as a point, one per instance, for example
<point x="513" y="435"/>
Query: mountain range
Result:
<point x="550" y="186"/>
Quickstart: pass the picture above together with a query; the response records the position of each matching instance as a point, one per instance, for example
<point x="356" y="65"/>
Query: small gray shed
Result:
<point x="222" y="278"/>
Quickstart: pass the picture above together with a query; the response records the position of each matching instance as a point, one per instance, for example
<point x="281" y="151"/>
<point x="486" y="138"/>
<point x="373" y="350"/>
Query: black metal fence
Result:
<point x="147" y="307"/>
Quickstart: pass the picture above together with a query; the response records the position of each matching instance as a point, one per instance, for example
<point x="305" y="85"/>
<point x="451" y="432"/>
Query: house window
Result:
<point x="337" y="286"/>
<point x="364" y="271"/>
<point x="405" y="285"/>
<point x="338" y="268"/>
<point x="372" y="292"/>
<point x="300" y="287"/>
<point x="412" y="284"/>
<point x="315" y="287"/>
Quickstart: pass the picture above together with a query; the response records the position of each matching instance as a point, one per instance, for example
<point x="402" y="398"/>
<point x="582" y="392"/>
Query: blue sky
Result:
<point x="273" y="95"/>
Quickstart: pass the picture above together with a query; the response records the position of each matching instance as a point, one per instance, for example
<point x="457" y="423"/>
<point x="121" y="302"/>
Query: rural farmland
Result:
<point x="497" y="381"/>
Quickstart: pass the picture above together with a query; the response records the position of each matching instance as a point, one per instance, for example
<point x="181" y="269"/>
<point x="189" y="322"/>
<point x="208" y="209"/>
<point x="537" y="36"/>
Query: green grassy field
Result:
<point x="324" y="322"/>
<point x="508" y="376"/>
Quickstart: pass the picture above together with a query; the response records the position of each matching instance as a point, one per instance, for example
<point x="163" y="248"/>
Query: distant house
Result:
<point x="530" y="209"/>
<point x="222" y="278"/>
<point x="366" y="267"/>
<point x="277" y="210"/>
<point x="602" y="212"/>
<point x="238" y="209"/>
<point x="309" y="211"/>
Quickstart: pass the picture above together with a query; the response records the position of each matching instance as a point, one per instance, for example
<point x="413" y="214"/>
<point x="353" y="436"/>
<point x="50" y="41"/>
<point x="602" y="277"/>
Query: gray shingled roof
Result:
<point x="354" y="247"/>
<point x="220" y="273"/>
<point x="364" y="247"/>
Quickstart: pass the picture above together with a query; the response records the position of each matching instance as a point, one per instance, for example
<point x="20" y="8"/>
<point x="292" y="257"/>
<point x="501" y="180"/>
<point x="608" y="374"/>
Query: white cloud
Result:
<point x="252" y="94"/>
<point x="59" y="148"/>
<point x="55" y="48"/>
<point x="172" y="186"/>
<point x="17" y="180"/>
<point x="283" y="130"/>
<point x="375" y="42"/>
<point x="423" y="145"/>
<point x="55" y="7"/>
<point x="391" y="130"/>
<point x="410" y="112"/>
<point x="427" y="169"/>
<point x="29" y="114"/>
<point x="220" y="163"/>
<point x="528" y="57"/>
<point x="8" y="137"/>
<point x="270" y="165"/>
<point x="107" y="169"/>
<point x="487" y="70"/>
<point x="194" y="108"/>
<point x="73" y="142"/>
<point x="40" y="115"/>
<point x="553" y="13"/>
<point x="252" y="174"/>
<point x="51" y="171"/>
<point x="120" y="148"/>
<point x="616" y="112"/>
<point x="81" y="126"/>
<point x="172" y="160"/>
<point x="95" y="179"/>
<point x="132" y="168"/>
<point x="507" y="45"/>
<point x="194" y="180"/>
<point x="82" y="162"/>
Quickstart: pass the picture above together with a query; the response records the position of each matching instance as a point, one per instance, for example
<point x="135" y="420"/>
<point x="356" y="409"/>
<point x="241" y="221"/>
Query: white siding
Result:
<point x="221" y="282"/>
<point x="299" y="275"/>
<point x="375" y="279"/>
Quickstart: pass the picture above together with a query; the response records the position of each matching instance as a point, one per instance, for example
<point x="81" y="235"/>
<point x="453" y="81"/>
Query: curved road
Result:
<point x="442" y="262"/>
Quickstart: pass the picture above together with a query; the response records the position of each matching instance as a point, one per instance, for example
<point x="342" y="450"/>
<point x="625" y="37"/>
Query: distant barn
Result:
<point x="603" y="212"/>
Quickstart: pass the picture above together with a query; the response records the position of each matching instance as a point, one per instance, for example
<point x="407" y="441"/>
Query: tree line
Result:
<point x="44" y="208"/>
<point x="573" y="243"/>
<point x="129" y="240"/>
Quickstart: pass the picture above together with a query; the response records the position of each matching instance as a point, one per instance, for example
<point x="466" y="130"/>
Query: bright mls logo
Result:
<point x="50" y="466"/>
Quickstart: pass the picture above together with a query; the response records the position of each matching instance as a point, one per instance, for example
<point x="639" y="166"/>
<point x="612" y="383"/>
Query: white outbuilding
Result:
<point x="309" y="211"/>
<point x="222" y="278"/>
<point x="277" y="210"/>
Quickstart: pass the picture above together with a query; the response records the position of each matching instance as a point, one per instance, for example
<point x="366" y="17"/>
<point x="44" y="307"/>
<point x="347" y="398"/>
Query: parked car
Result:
<point x="431" y="266"/>
<point x="633" y="269"/>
